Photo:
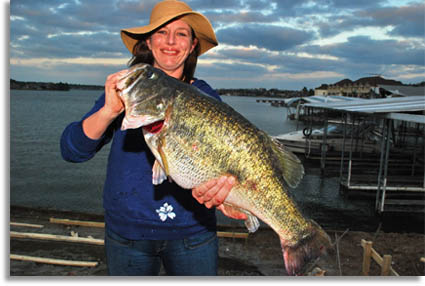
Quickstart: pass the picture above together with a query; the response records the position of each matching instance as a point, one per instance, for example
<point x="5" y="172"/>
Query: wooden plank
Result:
<point x="54" y="237"/>
<point x="375" y="255"/>
<point x="367" y="248"/>
<point x="386" y="265"/>
<point x="22" y="224"/>
<point x="77" y="222"/>
<point x="378" y="259"/>
<point x="54" y="261"/>
<point x="232" y="234"/>
<point x="102" y="225"/>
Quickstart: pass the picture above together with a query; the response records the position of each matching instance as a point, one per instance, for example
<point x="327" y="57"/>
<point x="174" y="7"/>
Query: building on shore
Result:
<point x="368" y="87"/>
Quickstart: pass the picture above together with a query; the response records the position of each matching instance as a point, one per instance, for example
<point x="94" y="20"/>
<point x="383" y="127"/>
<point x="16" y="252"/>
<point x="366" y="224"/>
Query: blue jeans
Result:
<point x="196" y="255"/>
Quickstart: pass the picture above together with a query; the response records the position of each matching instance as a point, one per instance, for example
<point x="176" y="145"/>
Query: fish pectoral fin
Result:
<point x="251" y="223"/>
<point x="292" y="168"/>
<point x="158" y="173"/>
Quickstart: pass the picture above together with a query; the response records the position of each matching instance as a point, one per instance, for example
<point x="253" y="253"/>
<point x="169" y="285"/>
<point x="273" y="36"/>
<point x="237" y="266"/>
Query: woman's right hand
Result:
<point x="113" y="103"/>
<point x="96" y="124"/>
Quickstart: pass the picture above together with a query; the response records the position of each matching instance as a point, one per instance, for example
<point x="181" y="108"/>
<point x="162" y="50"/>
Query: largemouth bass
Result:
<point x="195" y="138"/>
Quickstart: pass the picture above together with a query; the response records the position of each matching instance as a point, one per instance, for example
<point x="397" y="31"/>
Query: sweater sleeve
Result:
<point x="75" y="146"/>
<point x="205" y="87"/>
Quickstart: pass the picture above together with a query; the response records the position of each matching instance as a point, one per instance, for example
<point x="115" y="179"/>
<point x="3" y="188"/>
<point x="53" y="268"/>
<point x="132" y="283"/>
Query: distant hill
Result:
<point x="373" y="81"/>
<point x="345" y="81"/>
<point x="30" y="85"/>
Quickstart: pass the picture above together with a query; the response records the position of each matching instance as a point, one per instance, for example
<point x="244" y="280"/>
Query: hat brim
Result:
<point x="198" y="22"/>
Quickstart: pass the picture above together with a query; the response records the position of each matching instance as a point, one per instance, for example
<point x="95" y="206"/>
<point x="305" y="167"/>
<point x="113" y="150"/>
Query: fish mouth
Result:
<point x="154" y="127"/>
<point x="144" y="122"/>
<point x="134" y="122"/>
<point x="127" y="85"/>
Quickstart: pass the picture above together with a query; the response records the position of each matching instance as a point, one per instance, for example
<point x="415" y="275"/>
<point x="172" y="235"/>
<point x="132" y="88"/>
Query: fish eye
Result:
<point x="151" y="75"/>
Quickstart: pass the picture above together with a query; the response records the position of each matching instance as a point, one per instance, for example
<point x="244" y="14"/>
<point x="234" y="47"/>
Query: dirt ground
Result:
<point x="257" y="255"/>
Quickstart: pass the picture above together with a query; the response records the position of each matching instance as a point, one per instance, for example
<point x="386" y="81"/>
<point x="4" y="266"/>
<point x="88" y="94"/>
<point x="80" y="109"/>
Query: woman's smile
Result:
<point x="170" y="52"/>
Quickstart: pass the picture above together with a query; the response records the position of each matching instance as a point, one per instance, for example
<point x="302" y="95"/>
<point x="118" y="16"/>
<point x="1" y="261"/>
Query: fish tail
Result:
<point x="307" y="250"/>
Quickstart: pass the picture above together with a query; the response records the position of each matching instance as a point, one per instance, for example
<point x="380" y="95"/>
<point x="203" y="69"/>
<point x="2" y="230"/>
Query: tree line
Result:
<point x="61" y="86"/>
<point x="262" y="92"/>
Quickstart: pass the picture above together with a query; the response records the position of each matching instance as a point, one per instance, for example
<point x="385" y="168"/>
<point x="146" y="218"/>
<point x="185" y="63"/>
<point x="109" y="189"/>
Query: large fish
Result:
<point x="195" y="138"/>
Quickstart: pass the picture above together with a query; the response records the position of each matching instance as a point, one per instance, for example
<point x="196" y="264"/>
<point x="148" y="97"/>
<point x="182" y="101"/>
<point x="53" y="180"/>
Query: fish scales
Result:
<point x="237" y="149"/>
<point x="202" y="139"/>
<point x="246" y="160"/>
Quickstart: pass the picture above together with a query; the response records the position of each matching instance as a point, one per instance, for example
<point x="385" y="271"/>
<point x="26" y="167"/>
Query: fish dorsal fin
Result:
<point x="292" y="168"/>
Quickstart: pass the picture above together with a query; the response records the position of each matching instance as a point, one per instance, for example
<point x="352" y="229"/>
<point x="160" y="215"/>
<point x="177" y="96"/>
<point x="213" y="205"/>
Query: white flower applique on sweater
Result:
<point x="166" y="211"/>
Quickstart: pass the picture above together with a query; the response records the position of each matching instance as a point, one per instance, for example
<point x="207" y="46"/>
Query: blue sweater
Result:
<point x="134" y="207"/>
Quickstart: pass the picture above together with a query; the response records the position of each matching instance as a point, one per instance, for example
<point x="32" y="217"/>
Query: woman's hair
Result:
<point x="142" y="54"/>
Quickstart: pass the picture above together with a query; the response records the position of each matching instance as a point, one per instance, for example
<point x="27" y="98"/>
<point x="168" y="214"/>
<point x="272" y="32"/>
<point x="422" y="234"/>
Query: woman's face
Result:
<point x="170" y="46"/>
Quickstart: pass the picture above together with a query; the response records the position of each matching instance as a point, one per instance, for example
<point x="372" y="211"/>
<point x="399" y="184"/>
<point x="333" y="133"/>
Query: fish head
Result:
<point x="146" y="94"/>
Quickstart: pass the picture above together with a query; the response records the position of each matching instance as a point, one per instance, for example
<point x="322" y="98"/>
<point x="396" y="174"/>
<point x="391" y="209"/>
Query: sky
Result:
<point x="288" y="44"/>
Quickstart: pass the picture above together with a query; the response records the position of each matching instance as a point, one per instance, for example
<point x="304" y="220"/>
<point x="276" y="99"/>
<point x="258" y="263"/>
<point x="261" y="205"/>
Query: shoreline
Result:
<point x="329" y="219"/>
<point x="257" y="255"/>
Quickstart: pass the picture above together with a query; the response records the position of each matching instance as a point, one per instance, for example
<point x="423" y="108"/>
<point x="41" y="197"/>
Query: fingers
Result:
<point x="113" y="79"/>
<point x="111" y="84"/>
<point x="118" y="76"/>
<point x="200" y="191"/>
<point x="113" y="102"/>
<point x="205" y="192"/>
<point x="225" y="185"/>
<point x="213" y="192"/>
<point x="232" y="212"/>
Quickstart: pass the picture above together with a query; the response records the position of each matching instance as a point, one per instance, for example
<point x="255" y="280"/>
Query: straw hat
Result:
<point x="166" y="11"/>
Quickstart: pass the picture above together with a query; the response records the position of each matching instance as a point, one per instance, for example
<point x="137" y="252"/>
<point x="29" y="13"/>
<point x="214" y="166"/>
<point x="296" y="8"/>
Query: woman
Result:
<point x="146" y="224"/>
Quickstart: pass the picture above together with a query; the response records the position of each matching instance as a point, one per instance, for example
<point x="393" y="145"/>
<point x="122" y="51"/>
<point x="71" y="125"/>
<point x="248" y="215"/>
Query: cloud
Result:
<point x="358" y="4"/>
<point x="63" y="32"/>
<point x="274" y="38"/>
<point x="262" y="43"/>
<point x="363" y="49"/>
<point x="400" y="21"/>
<point x="238" y="17"/>
<point x="203" y="5"/>
<point x="406" y="20"/>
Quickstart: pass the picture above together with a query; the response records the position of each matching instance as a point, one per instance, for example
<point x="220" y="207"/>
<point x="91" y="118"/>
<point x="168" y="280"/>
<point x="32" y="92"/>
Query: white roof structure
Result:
<point x="321" y="99"/>
<point x="389" y="106"/>
<point x="403" y="90"/>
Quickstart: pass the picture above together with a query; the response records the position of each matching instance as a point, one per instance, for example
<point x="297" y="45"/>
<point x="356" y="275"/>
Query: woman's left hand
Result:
<point x="214" y="192"/>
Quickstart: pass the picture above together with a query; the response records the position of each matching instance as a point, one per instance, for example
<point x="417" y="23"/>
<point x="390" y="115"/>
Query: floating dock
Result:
<point x="273" y="102"/>
<point x="396" y="176"/>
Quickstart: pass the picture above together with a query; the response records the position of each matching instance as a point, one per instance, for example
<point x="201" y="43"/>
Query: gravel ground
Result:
<point x="257" y="255"/>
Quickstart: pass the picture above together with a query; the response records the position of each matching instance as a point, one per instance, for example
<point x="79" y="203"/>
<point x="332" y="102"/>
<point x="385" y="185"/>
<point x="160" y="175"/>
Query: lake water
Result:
<point x="39" y="177"/>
